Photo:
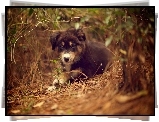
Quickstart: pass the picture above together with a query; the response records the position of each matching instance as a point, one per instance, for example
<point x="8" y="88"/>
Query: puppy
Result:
<point x="78" y="57"/>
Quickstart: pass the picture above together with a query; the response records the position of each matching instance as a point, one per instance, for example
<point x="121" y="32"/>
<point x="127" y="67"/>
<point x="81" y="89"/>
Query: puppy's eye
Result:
<point x="73" y="45"/>
<point x="61" y="47"/>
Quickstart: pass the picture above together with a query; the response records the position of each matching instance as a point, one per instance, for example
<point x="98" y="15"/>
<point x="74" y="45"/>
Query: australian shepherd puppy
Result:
<point x="78" y="56"/>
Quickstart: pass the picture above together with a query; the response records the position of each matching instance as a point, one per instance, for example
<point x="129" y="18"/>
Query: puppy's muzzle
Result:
<point x="66" y="57"/>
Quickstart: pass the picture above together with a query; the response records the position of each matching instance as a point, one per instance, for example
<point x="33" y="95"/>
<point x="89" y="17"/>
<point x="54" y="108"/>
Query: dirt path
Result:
<point x="100" y="95"/>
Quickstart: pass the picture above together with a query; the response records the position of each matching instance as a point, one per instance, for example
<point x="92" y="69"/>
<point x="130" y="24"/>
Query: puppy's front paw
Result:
<point x="56" y="84"/>
<point x="59" y="81"/>
<point x="51" y="88"/>
<point x="62" y="79"/>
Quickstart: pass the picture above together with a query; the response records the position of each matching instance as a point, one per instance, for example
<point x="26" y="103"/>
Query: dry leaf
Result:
<point x="38" y="104"/>
<point x="107" y="105"/>
<point x="54" y="106"/>
<point x="60" y="112"/>
<point x="141" y="58"/>
<point x="41" y="87"/>
<point x="123" y="51"/>
<point x="125" y="98"/>
<point x="15" y="111"/>
<point x="10" y="102"/>
<point x="132" y="32"/>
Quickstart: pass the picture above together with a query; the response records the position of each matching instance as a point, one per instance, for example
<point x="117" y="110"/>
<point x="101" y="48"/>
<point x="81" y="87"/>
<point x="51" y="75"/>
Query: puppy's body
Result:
<point x="94" y="59"/>
<point x="79" y="56"/>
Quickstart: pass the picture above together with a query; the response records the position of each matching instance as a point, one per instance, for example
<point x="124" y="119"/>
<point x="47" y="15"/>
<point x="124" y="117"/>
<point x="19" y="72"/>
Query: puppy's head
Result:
<point x="69" y="44"/>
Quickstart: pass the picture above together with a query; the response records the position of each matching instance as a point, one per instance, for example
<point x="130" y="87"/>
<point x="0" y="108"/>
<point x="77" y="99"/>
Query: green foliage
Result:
<point x="57" y="70"/>
<point x="107" y="20"/>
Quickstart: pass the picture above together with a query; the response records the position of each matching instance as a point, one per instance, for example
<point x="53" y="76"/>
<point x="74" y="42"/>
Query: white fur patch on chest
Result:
<point x="67" y="68"/>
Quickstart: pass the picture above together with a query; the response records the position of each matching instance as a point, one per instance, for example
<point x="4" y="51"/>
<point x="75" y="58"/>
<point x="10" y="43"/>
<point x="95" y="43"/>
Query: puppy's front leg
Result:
<point x="75" y="73"/>
<point x="59" y="80"/>
<point x="64" y="77"/>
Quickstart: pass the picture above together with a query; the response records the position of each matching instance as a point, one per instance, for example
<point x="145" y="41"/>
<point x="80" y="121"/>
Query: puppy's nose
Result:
<point x="66" y="59"/>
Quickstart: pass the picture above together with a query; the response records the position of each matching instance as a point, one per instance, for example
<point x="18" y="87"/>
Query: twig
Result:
<point x="97" y="69"/>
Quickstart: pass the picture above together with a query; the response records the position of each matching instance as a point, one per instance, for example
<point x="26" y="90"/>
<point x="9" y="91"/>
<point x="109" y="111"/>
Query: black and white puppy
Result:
<point x="79" y="57"/>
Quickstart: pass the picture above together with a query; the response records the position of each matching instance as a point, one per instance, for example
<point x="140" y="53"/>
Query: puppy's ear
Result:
<point x="53" y="39"/>
<point x="81" y="35"/>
